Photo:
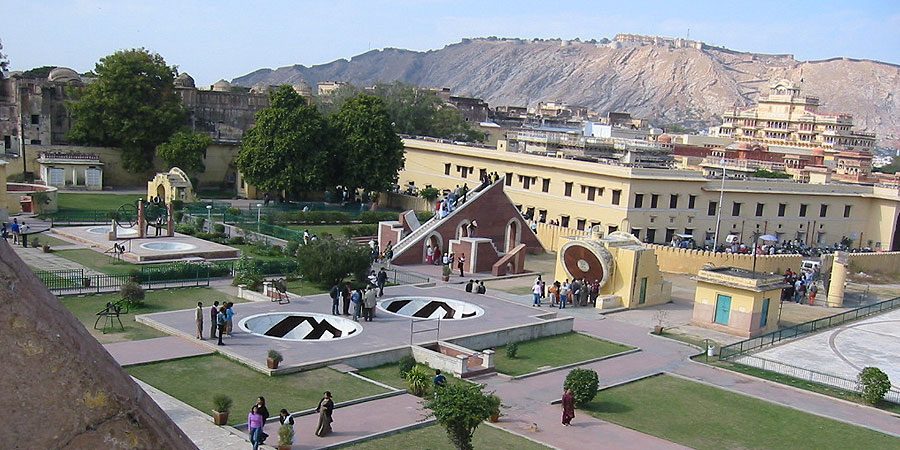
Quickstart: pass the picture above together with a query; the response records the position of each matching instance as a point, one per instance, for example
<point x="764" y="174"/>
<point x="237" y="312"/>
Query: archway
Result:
<point x="462" y="229"/>
<point x="161" y="192"/>
<point x="436" y="243"/>
<point x="513" y="235"/>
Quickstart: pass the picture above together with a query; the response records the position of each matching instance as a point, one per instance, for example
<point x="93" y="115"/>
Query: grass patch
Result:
<point x="95" y="202"/>
<point x="433" y="437"/>
<point x="798" y="383"/>
<point x="389" y="374"/>
<point x="705" y="417"/>
<point x="86" y="308"/>
<point x="304" y="288"/>
<point x="688" y="339"/>
<point x="47" y="239"/>
<point x="196" y="380"/>
<point x="554" y="351"/>
<point x="334" y="230"/>
<point x="97" y="261"/>
<point x="216" y="194"/>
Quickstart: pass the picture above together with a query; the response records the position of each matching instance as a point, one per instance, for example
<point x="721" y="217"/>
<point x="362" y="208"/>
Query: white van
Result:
<point x="810" y="265"/>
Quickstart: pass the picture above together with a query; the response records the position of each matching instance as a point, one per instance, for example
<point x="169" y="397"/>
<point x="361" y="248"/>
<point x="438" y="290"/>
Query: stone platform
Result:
<point x="137" y="251"/>
<point x="386" y="339"/>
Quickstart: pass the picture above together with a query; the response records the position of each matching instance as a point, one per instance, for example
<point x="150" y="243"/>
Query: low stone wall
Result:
<point x="886" y="263"/>
<point x="404" y="202"/>
<point x="549" y="235"/>
<point x="503" y="336"/>
<point x="682" y="260"/>
<point x="437" y="360"/>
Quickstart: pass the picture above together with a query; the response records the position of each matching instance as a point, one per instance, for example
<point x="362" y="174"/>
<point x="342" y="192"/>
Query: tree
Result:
<point x="185" y="150"/>
<point x="460" y="408"/>
<point x="132" y="105"/>
<point x="287" y="148"/>
<point x="329" y="261"/>
<point x="874" y="384"/>
<point x="4" y="63"/>
<point x="583" y="383"/>
<point x="421" y="112"/>
<point x="369" y="151"/>
<point x="893" y="167"/>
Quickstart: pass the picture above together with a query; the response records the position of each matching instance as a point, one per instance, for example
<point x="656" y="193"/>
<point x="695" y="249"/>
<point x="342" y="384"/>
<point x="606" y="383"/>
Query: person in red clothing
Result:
<point x="568" y="404"/>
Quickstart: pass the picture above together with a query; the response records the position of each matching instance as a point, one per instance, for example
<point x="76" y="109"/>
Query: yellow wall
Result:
<point x="873" y="210"/>
<point x="742" y="302"/>
<point x="887" y="263"/>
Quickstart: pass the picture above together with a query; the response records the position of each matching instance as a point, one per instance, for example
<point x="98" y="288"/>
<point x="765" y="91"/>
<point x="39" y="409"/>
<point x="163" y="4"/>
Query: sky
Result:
<point x="212" y="40"/>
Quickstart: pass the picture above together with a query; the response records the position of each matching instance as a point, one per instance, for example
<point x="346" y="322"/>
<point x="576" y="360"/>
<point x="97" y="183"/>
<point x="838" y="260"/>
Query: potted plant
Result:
<point x="221" y="407"/>
<point x="273" y="359"/>
<point x="46" y="248"/>
<point x="285" y="437"/>
<point x="445" y="276"/>
<point x="495" y="404"/>
<point x="660" y="317"/>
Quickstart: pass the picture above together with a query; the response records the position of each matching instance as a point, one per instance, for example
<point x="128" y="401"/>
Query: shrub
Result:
<point x="512" y="349"/>
<point x="376" y="216"/>
<point x="583" y="383"/>
<point x="275" y="356"/>
<point x="248" y="272"/>
<point x="874" y="383"/>
<point x="236" y="240"/>
<point x="233" y="211"/>
<point x="460" y="408"/>
<point x="406" y="364"/>
<point x="199" y="221"/>
<point x="177" y="205"/>
<point x="285" y="435"/>
<point x="184" y="228"/>
<point x="360" y="230"/>
<point x="291" y="248"/>
<point x="417" y="379"/>
<point x="495" y="404"/>
<point x="222" y="403"/>
<point x="219" y="228"/>
<point x="178" y="216"/>
<point x="132" y="294"/>
<point x="424" y="216"/>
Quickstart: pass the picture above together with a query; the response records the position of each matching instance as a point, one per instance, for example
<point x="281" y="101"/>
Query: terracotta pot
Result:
<point x="657" y="329"/>
<point x="495" y="418"/>
<point x="271" y="363"/>
<point x="445" y="278"/>
<point x="220" y="418"/>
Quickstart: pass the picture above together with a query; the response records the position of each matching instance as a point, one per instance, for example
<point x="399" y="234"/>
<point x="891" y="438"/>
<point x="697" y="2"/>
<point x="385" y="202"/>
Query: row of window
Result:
<point x="782" y="209"/>
<point x="673" y="201"/>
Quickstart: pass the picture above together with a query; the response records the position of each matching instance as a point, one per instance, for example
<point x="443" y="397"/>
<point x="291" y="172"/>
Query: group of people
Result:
<point x="800" y="286"/>
<point x="577" y="293"/>
<point x="451" y="201"/>
<point x="17" y="231"/>
<point x="476" y="287"/>
<point x="221" y="320"/>
<point x="259" y="414"/>
<point x="363" y="300"/>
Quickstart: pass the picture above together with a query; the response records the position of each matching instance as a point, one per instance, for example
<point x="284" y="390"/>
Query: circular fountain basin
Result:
<point x="167" y="246"/>
<point x="120" y="231"/>
<point x="300" y="326"/>
<point x="430" y="308"/>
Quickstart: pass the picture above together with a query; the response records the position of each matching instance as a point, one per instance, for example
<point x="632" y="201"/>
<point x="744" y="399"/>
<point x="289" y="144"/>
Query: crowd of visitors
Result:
<point x="259" y="414"/>
<point x="802" y="287"/>
<point x="577" y="293"/>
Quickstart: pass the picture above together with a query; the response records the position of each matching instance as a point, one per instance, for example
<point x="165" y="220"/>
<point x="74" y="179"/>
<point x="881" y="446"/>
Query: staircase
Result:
<point x="409" y="240"/>
<point x="499" y="267"/>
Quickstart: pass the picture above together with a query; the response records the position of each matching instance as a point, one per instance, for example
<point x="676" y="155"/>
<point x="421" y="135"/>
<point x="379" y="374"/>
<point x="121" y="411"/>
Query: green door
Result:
<point x="765" y="314"/>
<point x="643" y="296"/>
<point x="723" y="309"/>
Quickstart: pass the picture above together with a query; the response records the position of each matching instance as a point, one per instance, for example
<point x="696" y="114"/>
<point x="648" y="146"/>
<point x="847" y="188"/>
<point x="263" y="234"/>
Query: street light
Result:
<point x="719" y="213"/>
<point x="258" y="215"/>
<point x="209" y="218"/>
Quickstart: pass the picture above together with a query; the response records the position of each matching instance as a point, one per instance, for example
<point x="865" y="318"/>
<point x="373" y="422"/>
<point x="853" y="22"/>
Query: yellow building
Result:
<point x="656" y="204"/>
<point x="736" y="301"/>
<point x="171" y="185"/>
<point x="626" y="270"/>
<point x="785" y="118"/>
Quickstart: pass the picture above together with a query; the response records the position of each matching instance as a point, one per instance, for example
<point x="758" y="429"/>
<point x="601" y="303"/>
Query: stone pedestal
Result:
<point x="142" y="220"/>
<point x="835" y="297"/>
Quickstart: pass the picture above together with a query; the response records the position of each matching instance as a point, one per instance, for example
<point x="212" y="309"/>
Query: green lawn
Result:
<point x="554" y="351"/>
<point x="97" y="261"/>
<point x="95" y="202"/>
<point x="86" y="308"/>
<point x="334" y="230"/>
<point x="705" y="417"/>
<point x="48" y="239"/>
<point x="304" y="288"/>
<point x="433" y="437"/>
<point x="196" y="380"/>
<point x="389" y="374"/>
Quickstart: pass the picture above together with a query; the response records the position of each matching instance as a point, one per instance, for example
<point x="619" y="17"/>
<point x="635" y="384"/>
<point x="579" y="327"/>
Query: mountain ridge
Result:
<point x="667" y="81"/>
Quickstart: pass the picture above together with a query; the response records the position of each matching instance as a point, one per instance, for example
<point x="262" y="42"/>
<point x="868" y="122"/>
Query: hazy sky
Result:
<point x="225" y="38"/>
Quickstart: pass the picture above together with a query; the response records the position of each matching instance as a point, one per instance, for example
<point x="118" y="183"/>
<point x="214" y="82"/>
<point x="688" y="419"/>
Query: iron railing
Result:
<point x="742" y="347"/>
<point x="402" y="277"/>
<point x="811" y="376"/>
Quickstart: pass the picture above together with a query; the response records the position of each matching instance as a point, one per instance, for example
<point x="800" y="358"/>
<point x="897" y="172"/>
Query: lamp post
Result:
<point x="209" y="218"/>
<point x="258" y="215"/>
<point x="719" y="213"/>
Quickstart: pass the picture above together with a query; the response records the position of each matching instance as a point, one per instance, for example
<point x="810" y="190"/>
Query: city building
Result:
<point x="656" y="204"/>
<point x="737" y="301"/>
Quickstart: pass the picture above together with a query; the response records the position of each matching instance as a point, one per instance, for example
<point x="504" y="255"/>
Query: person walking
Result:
<point x="335" y="295"/>
<point x="429" y="255"/>
<point x="264" y="412"/>
<point x="212" y="319"/>
<point x="370" y="298"/>
<point x="285" y="418"/>
<point x="813" y="290"/>
<point x="325" y="408"/>
<point x="356" y="299"/>
<point x="568" y="405"/>
<point x="554" y="293"/>
<point x="345" y="299"/>
<point x="381" y="280"/>
<point x="255" y="424"/>
<point x="461" y="263"/>
<point x="15" y="230"/>
<point x="536" y="292"/>
<point x="198" y="317"/>
<point x="563" y="294"/>
<point x="229" y="318"/>
<point x="220" y="323"/>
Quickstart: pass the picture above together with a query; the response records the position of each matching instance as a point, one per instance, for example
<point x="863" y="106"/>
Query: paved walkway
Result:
<point x="151" y="350"/>
<point x="36" y="258"/>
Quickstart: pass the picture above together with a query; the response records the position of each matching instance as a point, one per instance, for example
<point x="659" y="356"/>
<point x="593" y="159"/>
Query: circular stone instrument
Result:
<point x="300" y="326"/>
<point x="587" y="259"/>
<point x="430" y="308"/>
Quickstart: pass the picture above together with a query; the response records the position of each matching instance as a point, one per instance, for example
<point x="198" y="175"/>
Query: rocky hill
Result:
<point x="670" y="84"/>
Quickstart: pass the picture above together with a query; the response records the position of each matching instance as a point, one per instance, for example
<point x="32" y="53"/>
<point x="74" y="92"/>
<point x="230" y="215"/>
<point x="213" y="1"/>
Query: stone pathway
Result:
<point x="36" y="258"/>
<point x="151" y="350"/>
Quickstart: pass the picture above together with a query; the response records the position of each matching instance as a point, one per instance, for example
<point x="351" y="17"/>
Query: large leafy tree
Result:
<point x="288" y="147"/>
<point x="330" y="261"/>
<point x="460" y="408"/>
<point x="369" y="151"/>
<point x="186" y="151"/>
<point x="132" y="105"/>
<point x="421" y="112"/>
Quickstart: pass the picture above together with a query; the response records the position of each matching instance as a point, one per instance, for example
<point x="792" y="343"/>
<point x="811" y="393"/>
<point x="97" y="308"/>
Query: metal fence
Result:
<point x="812" y="376"/>
<point x="742" y="347"/>
<point x="402" y="277"/>
<point x="75" y="281"/>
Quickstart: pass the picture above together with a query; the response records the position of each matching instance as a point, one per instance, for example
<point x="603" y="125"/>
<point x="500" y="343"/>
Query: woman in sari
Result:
<point x="326" y="405"/>
<point x="568" y="404"/>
